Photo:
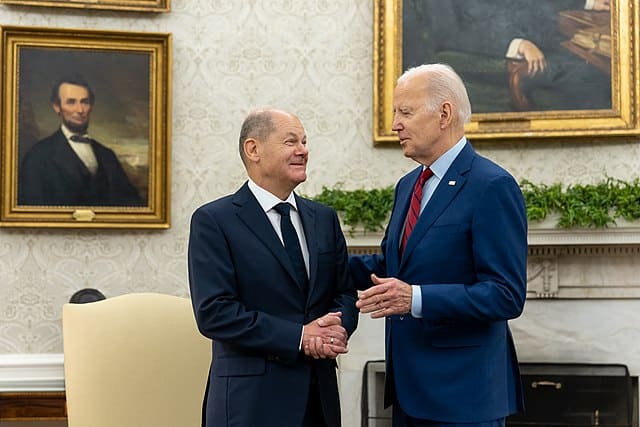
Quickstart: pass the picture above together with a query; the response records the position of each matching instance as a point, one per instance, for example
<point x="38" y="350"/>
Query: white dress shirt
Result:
<point x="83" y="150"/>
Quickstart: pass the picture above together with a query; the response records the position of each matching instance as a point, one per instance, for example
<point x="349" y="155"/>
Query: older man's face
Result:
<point x="74" y="108"/>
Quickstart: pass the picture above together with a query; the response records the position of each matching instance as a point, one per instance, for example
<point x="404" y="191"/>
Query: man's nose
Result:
<point x="302" y="149"/>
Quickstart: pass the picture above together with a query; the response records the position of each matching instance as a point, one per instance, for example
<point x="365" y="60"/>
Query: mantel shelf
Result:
<point x="540" y="235"/>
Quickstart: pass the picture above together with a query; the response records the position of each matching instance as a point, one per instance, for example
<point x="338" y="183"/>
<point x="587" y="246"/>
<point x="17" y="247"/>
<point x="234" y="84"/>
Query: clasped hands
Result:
<point x="387" y="296"/>
<point x="325" y="337"/>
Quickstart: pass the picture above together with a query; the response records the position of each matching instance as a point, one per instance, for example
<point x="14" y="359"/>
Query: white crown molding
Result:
<point x="31" y="372"/>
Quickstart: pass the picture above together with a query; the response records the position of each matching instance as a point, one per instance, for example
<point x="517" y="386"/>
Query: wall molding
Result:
<point x="540" y="234"/>
<point x="31" y="372"/>
<point x="605" y="269"/>
<point x="622" y="235"/>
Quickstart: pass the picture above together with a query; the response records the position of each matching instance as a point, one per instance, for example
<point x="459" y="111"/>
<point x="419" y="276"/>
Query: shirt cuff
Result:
<point x="512" y="51"/>
<point x="416" y="301"/>
<point x="301" y="336"/>
<point x="588" y="4"/>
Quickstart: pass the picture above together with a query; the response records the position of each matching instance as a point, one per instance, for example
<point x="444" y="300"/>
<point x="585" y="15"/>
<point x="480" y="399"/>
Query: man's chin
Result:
<point x="300" y="178"/>
<point x="406" y="150"/>
<point x="77" y="128"/>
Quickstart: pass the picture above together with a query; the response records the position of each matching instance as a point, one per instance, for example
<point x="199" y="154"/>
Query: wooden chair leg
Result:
<point x="516" y="70"/>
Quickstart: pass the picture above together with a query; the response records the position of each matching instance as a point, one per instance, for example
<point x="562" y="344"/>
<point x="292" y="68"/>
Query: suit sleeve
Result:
<point x="499" y="249"/>
<point x="345" y="293"/>
<point x="362" y="266"/>
<point x="219" y="311"/>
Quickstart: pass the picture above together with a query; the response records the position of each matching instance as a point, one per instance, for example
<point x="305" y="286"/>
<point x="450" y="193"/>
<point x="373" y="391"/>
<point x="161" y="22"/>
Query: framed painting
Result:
<point x="85" y="128"/>
<point x="546" y="69"/>
<point x="129" y="5"/>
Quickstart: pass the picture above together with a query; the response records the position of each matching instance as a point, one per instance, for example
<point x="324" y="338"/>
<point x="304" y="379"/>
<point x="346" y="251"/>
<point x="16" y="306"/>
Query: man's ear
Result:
<point x="250" y="147"/>
<point x="446" y="114"/>
<point x="56" y="107"/>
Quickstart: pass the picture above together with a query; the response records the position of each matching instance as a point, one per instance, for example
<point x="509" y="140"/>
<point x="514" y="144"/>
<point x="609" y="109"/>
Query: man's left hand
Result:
<point x="387" y="296"/>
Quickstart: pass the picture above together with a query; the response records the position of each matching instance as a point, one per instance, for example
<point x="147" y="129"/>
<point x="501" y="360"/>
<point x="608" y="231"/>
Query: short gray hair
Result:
<point x="442" y="84"/>
<point x="259" y="125"/>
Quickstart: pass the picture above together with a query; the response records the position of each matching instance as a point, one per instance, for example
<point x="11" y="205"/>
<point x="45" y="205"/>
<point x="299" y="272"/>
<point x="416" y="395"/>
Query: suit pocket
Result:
<point x="239" y="366"/>
<point x="461" y="336"/>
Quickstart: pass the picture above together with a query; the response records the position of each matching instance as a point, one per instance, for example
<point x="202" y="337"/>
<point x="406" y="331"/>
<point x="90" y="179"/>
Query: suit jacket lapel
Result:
<point x="251" y="214"/>
<point x="396" y="222"/>
<point x="311" y="233"/>
<point x="447" y="189"/>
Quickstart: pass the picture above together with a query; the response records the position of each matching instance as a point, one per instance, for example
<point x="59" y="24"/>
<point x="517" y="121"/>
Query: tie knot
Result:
<point x="283" y="208"/>
<point x="424" y="176"/>
<point x="80" y="138"/>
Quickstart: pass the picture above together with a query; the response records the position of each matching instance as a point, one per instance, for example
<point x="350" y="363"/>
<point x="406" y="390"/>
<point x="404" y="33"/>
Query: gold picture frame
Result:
<point x="125" y="79"/>
<point x="125" y="5"/>
<point x="616" y="116"/>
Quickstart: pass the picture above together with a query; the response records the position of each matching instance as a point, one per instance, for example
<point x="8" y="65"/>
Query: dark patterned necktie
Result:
<point x="292" y="244"/>
<point x="414" y="207"/>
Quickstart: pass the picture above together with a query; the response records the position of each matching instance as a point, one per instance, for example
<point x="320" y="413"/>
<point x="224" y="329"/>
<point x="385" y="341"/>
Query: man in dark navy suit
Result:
<point x="452" y="270"/>
<point x="270" y="285"/>
<point x="68" y="168"/>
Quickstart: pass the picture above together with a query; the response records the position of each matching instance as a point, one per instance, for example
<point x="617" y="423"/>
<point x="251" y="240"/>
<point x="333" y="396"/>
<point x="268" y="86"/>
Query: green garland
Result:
<point x="367" y="208"/>
<point x="590" y="205"/>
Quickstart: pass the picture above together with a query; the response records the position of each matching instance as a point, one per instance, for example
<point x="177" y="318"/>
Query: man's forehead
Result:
<point x="73" y="89"/>
<point x="289" y="125"/>
<point x="407" y="98"/>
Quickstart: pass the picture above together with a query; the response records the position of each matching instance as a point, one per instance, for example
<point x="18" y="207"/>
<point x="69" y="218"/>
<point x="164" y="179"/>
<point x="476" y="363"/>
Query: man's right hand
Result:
<point x="325" y="337"/>
<point x="536" y="62"/>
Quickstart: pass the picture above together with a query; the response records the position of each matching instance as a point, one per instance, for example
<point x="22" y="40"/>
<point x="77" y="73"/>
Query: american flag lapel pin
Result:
<point x="452" y="183"/>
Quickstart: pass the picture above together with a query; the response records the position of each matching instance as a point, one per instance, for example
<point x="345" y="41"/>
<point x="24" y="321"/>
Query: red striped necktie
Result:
<point x="414" y="207"/>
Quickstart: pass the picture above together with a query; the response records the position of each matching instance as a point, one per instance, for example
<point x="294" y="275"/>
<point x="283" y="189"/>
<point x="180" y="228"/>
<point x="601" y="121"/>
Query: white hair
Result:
<point x="442" y="83"/>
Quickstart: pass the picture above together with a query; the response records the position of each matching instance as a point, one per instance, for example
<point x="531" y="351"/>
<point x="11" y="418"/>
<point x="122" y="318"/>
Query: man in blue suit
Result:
<point x="448" y="281"/>
<point x="276" y="328"/>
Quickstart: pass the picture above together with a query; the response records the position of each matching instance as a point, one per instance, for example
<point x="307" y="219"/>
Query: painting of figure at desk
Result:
<point x="516" y="55"/>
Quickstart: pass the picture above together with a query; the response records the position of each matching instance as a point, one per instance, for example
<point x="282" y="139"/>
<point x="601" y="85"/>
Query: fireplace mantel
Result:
<point x="566" y="263"/>
<point x="540" y="234"/>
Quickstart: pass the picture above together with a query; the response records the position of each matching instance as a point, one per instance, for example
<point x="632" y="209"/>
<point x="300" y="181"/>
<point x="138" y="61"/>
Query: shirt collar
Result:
<point x="443" y="163"/>
<point x="268" y="200"/>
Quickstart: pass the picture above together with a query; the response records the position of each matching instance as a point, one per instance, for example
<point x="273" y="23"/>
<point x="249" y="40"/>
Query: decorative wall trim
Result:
<point x="608" y="236"/>
<point x="31" y="372"/>
<point x="540" y="235"/>
<point x="568" y="271"/>
<point x="590" y="250"/>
